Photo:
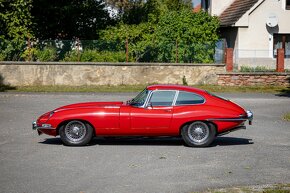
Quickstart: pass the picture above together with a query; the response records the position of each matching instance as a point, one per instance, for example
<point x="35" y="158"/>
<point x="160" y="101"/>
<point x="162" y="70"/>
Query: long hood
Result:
<point x="90" y="104"/>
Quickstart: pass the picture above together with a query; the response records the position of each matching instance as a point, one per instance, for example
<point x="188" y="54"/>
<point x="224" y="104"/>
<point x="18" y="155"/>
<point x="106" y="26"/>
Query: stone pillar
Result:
<point x="280" y="60"/>
<point x="229" y="59"/>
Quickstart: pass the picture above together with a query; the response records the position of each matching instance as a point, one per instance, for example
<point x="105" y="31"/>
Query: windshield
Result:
<point x="140" y="99"/>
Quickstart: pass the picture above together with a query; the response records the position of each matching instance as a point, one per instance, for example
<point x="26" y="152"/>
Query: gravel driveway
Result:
<point x="32" y="163"/>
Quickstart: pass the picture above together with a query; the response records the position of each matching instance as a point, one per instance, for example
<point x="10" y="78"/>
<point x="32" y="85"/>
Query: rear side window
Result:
<point x="187" y="98"/>
<point x="162" y="98"/>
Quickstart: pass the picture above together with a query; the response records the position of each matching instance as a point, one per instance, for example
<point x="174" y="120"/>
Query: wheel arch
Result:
<point x="68" y="120"/>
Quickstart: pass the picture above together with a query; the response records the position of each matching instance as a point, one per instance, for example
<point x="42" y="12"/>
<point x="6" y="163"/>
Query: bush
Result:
<point x="46" y="55"/>
<point x="255" y="69"/>
<point x="96" y="56"/>
<point x="11" y="50"/>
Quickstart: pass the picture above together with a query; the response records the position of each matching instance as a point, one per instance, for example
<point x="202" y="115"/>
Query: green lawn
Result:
<point x="137" y="88"/>
<point x="274" y="188"/>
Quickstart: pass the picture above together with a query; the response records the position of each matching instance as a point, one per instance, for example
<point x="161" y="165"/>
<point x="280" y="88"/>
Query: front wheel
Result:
<point x="76" y="133"/>
<point x="198" y="134"/>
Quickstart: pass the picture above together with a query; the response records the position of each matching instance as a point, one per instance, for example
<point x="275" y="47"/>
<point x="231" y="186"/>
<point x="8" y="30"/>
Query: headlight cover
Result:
<point x="45" y="117"/>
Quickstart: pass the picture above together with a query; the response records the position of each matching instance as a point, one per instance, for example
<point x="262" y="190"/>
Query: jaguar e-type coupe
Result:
<point x="159" y="110"/>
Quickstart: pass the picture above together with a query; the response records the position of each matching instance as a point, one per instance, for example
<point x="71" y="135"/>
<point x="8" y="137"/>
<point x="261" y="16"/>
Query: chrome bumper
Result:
<point x="250" y="116"/>
<point x="34" y="125"/>
<point x="44" y="126"/>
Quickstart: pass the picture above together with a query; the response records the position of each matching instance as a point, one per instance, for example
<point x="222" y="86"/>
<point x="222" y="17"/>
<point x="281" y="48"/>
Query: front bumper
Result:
<point x="43" y="127"/>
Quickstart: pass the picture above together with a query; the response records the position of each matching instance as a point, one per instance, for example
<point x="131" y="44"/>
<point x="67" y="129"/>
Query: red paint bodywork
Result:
<point x="121" y="119"/>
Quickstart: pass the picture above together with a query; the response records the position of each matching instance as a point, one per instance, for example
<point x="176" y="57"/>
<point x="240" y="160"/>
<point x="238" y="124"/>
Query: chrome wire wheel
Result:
<point x="198" y="132"/>
<point x="75" y="131"/>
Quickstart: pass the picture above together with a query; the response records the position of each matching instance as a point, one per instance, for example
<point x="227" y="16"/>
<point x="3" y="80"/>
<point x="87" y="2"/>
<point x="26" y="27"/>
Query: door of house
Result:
<point x="282" y="41"/>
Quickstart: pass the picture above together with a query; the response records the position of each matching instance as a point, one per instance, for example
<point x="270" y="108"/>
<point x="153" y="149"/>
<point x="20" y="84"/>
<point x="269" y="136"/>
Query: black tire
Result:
<point x="76" y="133"/>
<point x="198" y="134"/>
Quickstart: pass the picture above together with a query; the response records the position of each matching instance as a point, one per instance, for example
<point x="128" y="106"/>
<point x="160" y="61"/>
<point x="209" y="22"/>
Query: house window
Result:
<point x="282" y="41"/>
<point x="287" y="4"/>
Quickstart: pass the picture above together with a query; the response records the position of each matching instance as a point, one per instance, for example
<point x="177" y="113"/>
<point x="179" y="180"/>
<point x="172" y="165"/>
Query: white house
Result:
<point x="254" y="28"/>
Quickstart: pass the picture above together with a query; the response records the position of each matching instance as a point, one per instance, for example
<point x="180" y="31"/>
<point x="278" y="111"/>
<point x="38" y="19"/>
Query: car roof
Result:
<point x="175" y="87"/>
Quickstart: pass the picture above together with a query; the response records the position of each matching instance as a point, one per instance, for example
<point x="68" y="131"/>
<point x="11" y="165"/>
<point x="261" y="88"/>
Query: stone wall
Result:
<point x="250" y="79"/>
<point x="77" y="74"/>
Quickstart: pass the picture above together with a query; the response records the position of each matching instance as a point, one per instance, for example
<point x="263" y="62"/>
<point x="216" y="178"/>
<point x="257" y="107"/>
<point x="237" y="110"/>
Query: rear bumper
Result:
<point x="249" y="117"/>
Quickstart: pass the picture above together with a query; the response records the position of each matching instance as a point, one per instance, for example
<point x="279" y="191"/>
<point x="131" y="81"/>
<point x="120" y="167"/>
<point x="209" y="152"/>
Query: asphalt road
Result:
<point x="32" y="163"/>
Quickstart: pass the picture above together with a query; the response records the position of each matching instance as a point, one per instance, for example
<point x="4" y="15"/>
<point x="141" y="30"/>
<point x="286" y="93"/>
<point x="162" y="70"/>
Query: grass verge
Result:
<point x="286" y="116"/>
<point x="137" y="88"/>
<point x="272" y="188"/>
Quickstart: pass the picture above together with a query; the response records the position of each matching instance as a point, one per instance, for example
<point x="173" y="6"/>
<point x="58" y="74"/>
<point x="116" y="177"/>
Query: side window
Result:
<point x="187" y="98"/>
<point x="162" y="98"/>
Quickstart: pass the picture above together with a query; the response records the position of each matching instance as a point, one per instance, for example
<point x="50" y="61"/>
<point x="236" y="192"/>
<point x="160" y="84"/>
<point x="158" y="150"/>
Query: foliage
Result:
<point x="286" y="116"/>
<point x="69" y="19"/>
<point x="190" y="35"/>
<point x="11" y="49"/>
<point x="15" y="25"/>
<point x="142" y="12"/>
<point x="256" y="69"/>
<point x="156" y="31"/>
<point x="95" y="56"/>
<point x="46" y="55"/>
<point x="194" y="33"/>
<point x="139" y="38"/>
<point x="15" y="19"/>
<point x="176" y="5"/>
<point x="184" y="81"/>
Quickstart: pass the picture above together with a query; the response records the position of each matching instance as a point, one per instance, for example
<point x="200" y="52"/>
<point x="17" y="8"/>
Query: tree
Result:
<point x="15" y="19"/>
<point x="135" y="11"/>
<point x="191" y="36"/>
<point x="64" y="19"/>
<point x="16" y="28"/>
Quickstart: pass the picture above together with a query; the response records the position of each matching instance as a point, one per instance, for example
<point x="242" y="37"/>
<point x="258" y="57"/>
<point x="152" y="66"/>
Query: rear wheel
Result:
<point x="76" y="133"/>
<point x="198" y="134"/>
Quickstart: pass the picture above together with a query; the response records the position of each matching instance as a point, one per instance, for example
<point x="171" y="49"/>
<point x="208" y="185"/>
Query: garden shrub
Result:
<point x="96" y="56"/>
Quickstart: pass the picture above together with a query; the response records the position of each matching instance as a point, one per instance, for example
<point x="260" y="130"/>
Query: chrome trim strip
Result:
<point x="45" y="128"/>
<point x="227" y="119"/>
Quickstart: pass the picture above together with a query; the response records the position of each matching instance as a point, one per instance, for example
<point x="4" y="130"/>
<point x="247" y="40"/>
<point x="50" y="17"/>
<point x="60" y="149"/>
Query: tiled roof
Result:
<point x="235" y="11"/>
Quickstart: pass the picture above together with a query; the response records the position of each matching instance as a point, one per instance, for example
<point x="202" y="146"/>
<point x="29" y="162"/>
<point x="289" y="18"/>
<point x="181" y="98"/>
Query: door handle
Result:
<point x="168" y="110"/>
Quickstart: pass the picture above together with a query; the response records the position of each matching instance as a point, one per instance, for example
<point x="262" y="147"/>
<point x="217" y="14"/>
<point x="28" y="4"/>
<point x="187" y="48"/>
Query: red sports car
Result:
<point x="159" y="110"/>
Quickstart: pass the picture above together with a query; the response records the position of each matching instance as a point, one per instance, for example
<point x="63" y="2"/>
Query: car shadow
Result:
<point x="5" y="87"/>
<point x="152" y="141"/>
<point x="229" y="141"/>
<point x="285" y="92"/>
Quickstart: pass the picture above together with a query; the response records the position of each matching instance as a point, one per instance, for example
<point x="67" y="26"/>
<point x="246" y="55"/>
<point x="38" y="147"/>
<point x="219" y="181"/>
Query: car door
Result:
<point x="155" y="116"/>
